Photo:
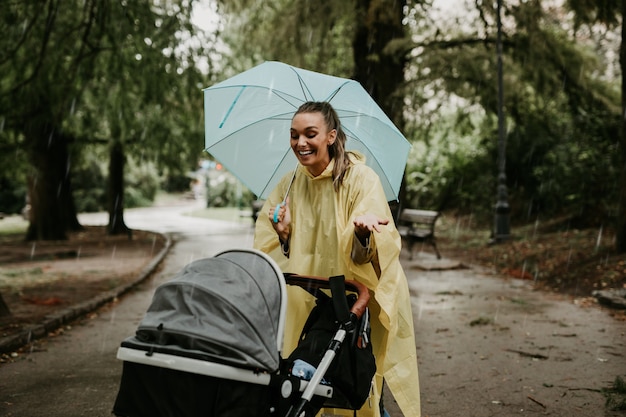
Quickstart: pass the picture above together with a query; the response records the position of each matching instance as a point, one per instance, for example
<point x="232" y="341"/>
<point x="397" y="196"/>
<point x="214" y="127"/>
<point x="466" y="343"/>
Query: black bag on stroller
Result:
<point x="352" y="370"/>
<point x="354" y="367"/>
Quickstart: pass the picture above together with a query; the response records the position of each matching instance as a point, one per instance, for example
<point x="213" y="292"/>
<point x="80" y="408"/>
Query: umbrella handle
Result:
<point x="276" y="210"/>
<point x="286" y="194"/>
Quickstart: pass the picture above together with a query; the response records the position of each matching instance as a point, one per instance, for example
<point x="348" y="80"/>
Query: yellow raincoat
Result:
<point x="322" y="233"/>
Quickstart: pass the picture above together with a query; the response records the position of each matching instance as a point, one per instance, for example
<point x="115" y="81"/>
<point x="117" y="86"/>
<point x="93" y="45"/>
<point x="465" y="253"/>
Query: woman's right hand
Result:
<point x="282" y="215"/>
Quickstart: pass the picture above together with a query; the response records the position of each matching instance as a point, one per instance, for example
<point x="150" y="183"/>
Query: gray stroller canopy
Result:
<point x="229" y="307"/>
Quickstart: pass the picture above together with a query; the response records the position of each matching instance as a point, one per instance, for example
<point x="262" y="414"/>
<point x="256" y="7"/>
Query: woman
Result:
<point x="336" y="221"/>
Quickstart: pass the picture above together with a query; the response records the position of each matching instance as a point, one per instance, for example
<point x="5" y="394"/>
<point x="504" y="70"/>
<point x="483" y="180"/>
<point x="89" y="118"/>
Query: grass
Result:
<point x="231" y="214"/>
<point x="13" y="225"/>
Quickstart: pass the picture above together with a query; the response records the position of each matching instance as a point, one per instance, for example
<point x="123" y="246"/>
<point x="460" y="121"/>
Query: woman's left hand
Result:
<point x="365" y="224"/>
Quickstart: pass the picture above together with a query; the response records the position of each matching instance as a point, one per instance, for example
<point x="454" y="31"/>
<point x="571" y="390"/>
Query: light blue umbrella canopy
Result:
<point x="248" y="117"/>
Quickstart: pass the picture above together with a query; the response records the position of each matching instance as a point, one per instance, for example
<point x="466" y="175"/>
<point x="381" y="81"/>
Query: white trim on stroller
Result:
<point x="195" y="366"/>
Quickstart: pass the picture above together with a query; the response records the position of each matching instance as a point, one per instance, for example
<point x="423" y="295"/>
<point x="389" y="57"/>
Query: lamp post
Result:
<point x="502" y="226"/>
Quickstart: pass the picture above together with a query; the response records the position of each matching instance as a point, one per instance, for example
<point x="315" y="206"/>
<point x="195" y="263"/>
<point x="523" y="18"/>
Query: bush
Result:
<point x="12" y="195"/>
<point x="142" y="182"/>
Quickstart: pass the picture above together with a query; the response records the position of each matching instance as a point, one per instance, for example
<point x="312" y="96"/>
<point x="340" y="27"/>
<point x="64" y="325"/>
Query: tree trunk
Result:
<point x="52" y="210"/>
<point x="115" y="190"/>
<point x="66" y="197"/>
<point x="4" y="308"/>
<point x="380" y="21"/>
<point x="620" y="233"/>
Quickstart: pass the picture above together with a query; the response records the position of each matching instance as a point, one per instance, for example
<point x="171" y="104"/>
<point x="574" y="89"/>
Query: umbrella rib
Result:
<point x="276" y="116"/>
<point x="232" y="105"/>
<point x="334" y="93"/>
<point x="303" y="86"/>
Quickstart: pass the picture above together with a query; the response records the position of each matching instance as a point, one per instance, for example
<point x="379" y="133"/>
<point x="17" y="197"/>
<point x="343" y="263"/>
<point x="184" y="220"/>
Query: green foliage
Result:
<point x="13" y="185"/>
<point x="448" y="169"/>
<point x="562" y="116"/>
<point x="83" y="74"/>
<point x="102" y="72"/>
<point x="142" y="183"/>
<point x="312" y="35"/>
<point x="90" y="186"/>
<point x="591" y="11"/>
<point x="12" y="195"/>
<point x="224" y="190"/>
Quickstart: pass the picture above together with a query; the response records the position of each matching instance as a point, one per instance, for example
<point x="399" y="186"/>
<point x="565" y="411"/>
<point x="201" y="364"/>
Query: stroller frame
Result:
<point x="309" y="389"/>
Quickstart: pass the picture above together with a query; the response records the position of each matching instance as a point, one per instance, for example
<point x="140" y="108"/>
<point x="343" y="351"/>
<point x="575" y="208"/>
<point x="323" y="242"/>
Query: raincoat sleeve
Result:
<point x="265" y="237"/>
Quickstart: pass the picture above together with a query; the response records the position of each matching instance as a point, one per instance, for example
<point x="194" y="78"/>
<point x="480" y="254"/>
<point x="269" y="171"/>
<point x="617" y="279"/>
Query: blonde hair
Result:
<point x="338" y="148"/>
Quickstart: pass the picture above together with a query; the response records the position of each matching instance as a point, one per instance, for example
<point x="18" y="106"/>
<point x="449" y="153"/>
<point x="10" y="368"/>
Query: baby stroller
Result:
<point x="210" y="345"/>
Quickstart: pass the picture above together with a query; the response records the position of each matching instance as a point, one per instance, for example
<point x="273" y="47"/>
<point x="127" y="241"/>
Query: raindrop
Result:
<point x="524" y="269"/>
<point x="113" y="253"/>
<point x="569" y="260"/>
<point x="457" y="228"/>
<point x="495" y="316"/>
<point x="599" y="239"/>
<point x="2" y="124"/>
<point x="78" y="252"/>
<point x="153" y="245"/>
<point x="32" y="251"/>
<point x="73" y="107"/>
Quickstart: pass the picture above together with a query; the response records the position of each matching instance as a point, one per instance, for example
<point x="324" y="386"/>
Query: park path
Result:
<point x="487" y="346"/>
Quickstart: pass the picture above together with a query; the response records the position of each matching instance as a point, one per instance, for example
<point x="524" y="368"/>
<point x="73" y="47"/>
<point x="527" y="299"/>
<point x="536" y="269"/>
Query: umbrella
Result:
<point x="248" y="117"/>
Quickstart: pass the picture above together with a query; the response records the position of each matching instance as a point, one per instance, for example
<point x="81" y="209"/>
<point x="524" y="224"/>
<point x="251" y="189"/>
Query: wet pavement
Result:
<point x="487" y="346"/>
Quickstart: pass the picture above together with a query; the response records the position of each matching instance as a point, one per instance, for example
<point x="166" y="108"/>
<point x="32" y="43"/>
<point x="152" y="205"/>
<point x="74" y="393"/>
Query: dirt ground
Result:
<point x="38" y="278"/>
<point x="554" y="256"/>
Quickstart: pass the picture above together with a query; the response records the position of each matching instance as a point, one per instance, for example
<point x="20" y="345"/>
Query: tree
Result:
<point x="607" y="12"/>
<point x="61" y="52"/>
<point x="379" y="24"/>
<point x="47" y="60"/>
<point x="560" y="114"/>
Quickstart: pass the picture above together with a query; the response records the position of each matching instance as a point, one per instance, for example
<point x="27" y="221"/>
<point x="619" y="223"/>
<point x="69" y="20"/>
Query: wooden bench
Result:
<point x="417" y="226"/>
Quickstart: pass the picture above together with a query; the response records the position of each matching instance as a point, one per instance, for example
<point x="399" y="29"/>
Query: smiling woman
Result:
<point x="336" y="221"/>
<point x="311" y="140"/>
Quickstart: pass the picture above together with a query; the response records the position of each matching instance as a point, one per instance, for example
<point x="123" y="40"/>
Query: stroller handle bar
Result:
<point x="310" y="282"/>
